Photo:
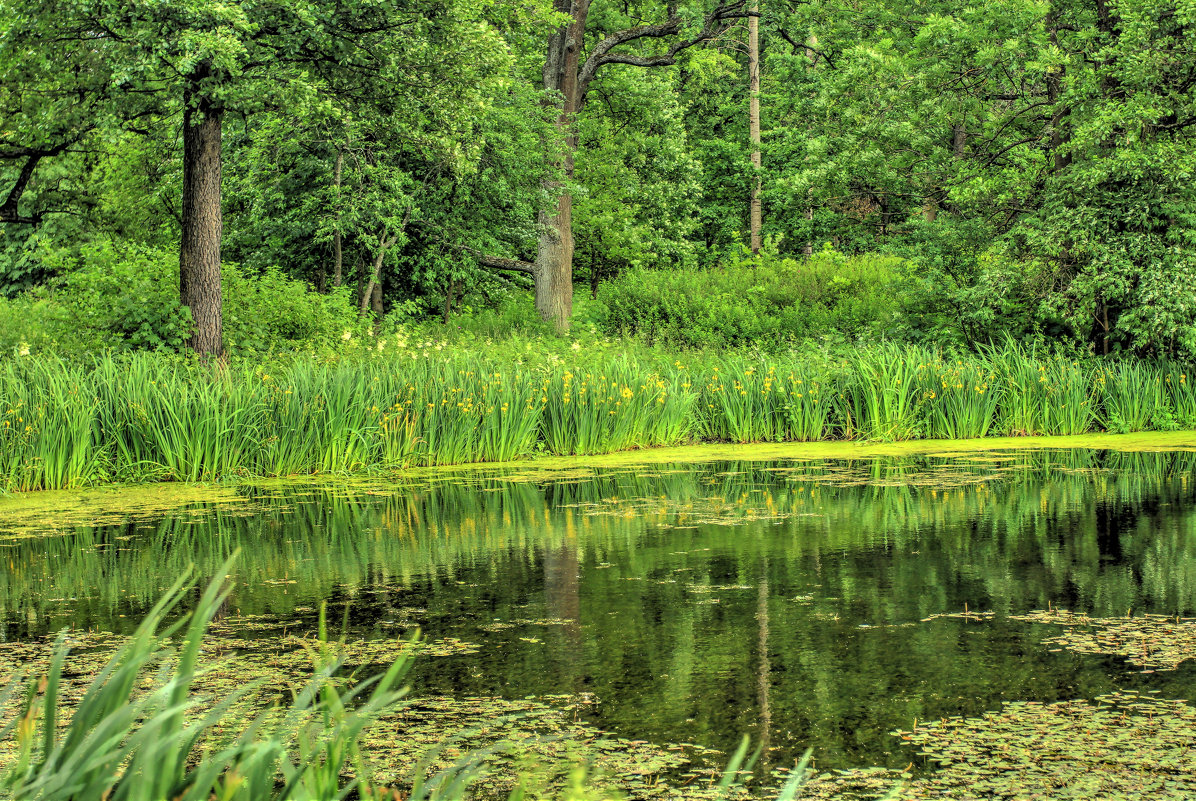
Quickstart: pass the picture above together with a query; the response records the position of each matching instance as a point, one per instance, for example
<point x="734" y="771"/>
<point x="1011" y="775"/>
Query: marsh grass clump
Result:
<point x="745" y="400"/>
<point x="160" y="418"/>
<point x="617" y="408"/>
<point x="49" y="427"/>
<point x="137" y="731"/>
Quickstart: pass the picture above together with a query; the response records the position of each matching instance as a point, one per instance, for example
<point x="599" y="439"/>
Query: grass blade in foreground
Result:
<point x="126" y="741"/>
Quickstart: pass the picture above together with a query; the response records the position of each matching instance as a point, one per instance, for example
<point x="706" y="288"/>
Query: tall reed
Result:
<point x="1041" y="395"/>
<point x="961" y="398"/>
<point x="49" y="437"/>
<point x="744" y="400"/>
<point x="1134" y="397"/>
<point x="137" y="734"/>
<point x="151" y="417"/>
<point x="881" y="398"/>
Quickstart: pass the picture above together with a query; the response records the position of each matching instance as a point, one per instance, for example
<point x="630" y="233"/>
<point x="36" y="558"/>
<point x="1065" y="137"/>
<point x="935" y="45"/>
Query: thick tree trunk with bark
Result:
<point x="554" y="252"/>
<point x="553" y="270"/>
<point x="199" y="254"/>
<point x="754" y="124"/>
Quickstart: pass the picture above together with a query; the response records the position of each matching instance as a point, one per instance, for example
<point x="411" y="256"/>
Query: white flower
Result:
<point x="576" y="346"/>
<point x="23" y="349"/>
<point x="347" y="336"/>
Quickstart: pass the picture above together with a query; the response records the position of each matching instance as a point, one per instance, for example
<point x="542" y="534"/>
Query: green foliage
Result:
<point x="123" y="741"/>
<point x="766" y="303"/>
<point x="618" y="407"/>
<point x="155" y="417"/>
<point x="126" y="298"/>
<point x="121" y="298"/>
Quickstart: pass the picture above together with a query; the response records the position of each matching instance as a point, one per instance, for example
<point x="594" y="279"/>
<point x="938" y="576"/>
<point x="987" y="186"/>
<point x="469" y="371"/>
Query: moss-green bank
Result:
<point x="55" y="510"/>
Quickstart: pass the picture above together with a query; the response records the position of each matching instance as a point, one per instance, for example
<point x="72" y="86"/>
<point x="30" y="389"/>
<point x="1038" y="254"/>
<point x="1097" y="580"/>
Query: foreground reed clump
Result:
<point x="139" y="733"/>
<point x="158" y="418"/>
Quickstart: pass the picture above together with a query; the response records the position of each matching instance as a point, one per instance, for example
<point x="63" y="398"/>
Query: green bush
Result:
<point x="126" y="298"/>
<point x="766" y="302"/>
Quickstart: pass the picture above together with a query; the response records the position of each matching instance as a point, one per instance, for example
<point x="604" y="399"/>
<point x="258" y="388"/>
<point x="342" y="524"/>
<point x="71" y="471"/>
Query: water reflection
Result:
<point x="695" y="604"/>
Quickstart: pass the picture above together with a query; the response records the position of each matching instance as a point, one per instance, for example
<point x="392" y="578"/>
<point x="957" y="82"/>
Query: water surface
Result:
<point x="788" y="600"/>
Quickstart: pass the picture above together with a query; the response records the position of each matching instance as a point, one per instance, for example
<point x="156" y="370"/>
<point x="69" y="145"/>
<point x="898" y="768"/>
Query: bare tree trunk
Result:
<point x="374" y="285"/>
<point x="448" y="300"/>
<point x="812" y="62"/>
<point x="338" y="251"/>
<point x="199" y="253"/>
<point x="754" y="124"/>
<point x="1054" y="83"/>
<point x="553" y="273"/>
<point x="959" y="147"/>
<point x="808" y="249"/>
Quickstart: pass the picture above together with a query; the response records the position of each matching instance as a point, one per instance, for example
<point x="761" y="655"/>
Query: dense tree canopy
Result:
<point x="1032" y="161"/>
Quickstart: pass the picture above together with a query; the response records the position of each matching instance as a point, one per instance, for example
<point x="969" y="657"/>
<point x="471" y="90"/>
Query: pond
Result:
<point x="821" y="604"/>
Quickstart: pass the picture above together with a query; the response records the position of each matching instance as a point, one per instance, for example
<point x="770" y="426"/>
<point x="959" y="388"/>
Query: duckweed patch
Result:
<point x="539" y="740"/>
<point x="1119" y="746"/>
<point x="1150" y="642"/>
<point x="60" y="511"/>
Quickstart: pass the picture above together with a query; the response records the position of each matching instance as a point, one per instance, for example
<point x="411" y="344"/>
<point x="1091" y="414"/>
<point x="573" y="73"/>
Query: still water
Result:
<point x="786" y="600"/>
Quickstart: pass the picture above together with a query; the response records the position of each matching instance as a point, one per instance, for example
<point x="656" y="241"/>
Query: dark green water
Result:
<point x="695" y="603"/>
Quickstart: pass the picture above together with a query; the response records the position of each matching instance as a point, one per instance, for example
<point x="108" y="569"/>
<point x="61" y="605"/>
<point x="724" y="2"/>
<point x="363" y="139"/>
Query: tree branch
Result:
<point x="9" y="212"/>
<point x="486" y="260"/>
<point x="717" y="22"/>
<point x="500" y="263"/>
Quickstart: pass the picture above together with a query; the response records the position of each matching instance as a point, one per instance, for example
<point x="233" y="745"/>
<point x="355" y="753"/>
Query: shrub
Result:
<point x="126" y="298"/>
<point x="765" y="302"/>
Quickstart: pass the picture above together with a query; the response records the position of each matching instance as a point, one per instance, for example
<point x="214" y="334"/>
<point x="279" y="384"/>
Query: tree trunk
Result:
<point x="754" y="124"/>
<point x="811" y="63"/>
<point x="199" y="254"/>
<point x="1054" y="83"/>
<point x="448" y="300"/>
<point x="553" y="273"/>
<point x="374" y="286"/>
<point x="338" y="249"/>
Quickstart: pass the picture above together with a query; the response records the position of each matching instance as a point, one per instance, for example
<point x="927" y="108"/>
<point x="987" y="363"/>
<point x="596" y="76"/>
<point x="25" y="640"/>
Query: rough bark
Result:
<point x="377" y="301"/>
<point x="754" y="125"/>
<point x="10" y="210"/>
<point x="812" y="61"/>
<point x="1054" y="82"/>
<point x="448" y="300"/>
<point x="199" y="254"/>
<point x="553" y="271"/>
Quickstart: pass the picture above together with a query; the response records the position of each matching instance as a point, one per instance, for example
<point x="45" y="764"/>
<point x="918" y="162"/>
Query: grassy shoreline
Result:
<point x="64" y="507"/>
<point x="147" y="418"/>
